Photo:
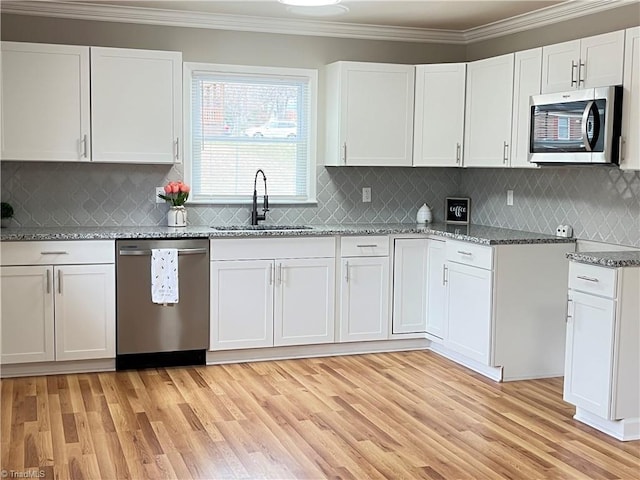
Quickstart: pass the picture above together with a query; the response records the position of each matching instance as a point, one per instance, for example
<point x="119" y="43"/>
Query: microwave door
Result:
<point x="560" y="132"/>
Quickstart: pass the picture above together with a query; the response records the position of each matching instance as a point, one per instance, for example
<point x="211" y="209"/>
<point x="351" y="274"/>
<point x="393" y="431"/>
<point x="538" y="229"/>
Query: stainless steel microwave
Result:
<point x="576" y="127"/>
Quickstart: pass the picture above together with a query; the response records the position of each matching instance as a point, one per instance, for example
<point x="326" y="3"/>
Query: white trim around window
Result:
<point x="241" y="118"/>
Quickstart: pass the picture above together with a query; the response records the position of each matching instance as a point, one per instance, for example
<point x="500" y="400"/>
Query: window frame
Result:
<point x="189" y="68"/>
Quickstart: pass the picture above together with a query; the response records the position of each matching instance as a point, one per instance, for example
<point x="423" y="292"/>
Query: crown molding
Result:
<point x="540" y="18"/>
<point x="245" y="23"/>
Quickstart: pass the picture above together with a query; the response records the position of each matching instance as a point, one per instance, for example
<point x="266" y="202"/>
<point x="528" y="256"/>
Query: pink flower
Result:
<point x="184" y="187"/>
<point x="175" y="188"/>
<point x="167" y="189"/>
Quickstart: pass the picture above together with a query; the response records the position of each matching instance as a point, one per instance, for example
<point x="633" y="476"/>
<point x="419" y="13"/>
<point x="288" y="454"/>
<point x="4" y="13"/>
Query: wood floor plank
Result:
<point x="397" y="415"/>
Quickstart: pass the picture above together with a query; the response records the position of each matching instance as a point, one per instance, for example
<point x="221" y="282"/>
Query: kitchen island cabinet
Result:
<point x="602" y="370"/>
<point x="58" y="301"/>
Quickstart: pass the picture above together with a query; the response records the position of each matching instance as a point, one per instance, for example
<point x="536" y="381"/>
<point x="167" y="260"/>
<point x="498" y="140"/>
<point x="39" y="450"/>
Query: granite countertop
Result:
<point x="629" y="258"/>
<point x="472" y="233"/>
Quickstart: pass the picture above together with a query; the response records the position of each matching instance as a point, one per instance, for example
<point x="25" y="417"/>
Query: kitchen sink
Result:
<point x="228" y="228"/>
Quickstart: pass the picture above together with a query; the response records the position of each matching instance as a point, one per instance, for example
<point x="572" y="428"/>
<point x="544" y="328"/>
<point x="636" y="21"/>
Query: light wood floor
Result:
<point x="398" y="415"/>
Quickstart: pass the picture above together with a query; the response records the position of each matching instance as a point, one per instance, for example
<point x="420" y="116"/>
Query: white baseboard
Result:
<point x="626" y="429"/>
<point x="57" y="368"/>
<point x="494" y="373"/>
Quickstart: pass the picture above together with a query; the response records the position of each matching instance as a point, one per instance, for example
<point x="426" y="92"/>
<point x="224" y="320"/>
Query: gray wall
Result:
<point x="601" y="204"/>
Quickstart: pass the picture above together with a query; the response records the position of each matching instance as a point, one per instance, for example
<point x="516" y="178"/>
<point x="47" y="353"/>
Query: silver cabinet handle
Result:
<point x="271" y="274"/>
<point x="621" y="143"/>
<point x="346" y="271"/>
<point x="367" y="246"/>
<point x="60" y="282"/>
<point x="444" y="275"/>
<point x="568" y="304"/>
<point x="84" y="146"/>
<point x="505" y="152"/>
<point x="580" y="67"/>
<point x="177" y="148"/>
<point x="48" y="281"/>
<point x="344" y="152"/>
<point x="457" y="153"/>
<point x="588" y="279"/>
<point x="279" y="274"/>
<point x="585" y="125"/>
<point x="54" y="252"/>
<point x="574" y="66"/>
<point x="468" y="254"/>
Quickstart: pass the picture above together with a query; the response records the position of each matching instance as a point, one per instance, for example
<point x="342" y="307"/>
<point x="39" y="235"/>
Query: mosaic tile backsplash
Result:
<point x="61" y="194"/>
<point x="601" y="204"/>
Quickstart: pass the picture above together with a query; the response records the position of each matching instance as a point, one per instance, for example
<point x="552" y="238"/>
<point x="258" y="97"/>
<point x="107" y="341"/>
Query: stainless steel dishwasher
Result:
<point x="155" y="335"/>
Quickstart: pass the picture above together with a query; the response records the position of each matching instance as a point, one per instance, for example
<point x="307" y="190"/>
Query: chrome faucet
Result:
<point x="255" y="216"/>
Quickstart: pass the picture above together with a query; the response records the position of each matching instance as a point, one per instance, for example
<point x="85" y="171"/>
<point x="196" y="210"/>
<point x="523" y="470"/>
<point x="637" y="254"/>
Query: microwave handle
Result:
<point x="588" y="145"/>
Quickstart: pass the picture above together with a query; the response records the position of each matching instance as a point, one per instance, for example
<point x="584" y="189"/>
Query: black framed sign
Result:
<point x="457" y="210"/>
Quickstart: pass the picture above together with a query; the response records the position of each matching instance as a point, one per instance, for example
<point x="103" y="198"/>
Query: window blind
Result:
<point x="241" y="122"/>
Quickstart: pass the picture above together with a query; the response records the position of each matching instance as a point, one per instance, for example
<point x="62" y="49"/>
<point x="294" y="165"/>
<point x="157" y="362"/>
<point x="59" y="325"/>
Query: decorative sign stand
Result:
<point x="457" y="210"/>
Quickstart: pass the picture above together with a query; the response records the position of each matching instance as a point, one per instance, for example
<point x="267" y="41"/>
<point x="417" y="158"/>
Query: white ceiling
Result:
<point x="443" y="21"/>
<point x="430" y="14"/>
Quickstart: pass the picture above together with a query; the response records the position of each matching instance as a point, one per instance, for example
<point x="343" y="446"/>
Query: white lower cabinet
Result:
<point x="365" y="291"/>
<point x="272" y="292"/>
<point x="468" y="311"/>
<point x="57" y="311"/>
<point x="410" y="279"/>
<point x="602" y="366"/>
<point x="436" y="288"/>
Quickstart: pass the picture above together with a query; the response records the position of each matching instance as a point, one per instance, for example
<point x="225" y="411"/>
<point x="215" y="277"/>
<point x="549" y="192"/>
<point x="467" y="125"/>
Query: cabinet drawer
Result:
<point x="366" y="246"/>
<point x="592" y="279"/>
<point x="269" y="248"/>
<point x="57" y="252"/>
<point x="470" y="254"/>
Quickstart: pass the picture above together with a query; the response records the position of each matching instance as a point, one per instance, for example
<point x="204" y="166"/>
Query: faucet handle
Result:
<point x="265" y="206"/>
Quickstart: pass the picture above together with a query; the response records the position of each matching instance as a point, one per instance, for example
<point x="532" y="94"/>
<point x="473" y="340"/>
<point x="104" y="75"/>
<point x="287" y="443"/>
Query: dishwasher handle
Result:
<point x="147" y="253"/>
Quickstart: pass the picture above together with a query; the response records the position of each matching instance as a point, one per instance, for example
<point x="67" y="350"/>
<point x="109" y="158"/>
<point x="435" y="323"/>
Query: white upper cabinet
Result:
<point x="369" y="114"/>
<point x="526" y="82"/>
<point x="488" y="112"/>
<point x="439" y="115"/>
<point x="630" y="157"/>
<point x="136" y="105"/>
<point x="590" y="62"/>
<point x="45" y="102"/>
<point x="74" y="103"/>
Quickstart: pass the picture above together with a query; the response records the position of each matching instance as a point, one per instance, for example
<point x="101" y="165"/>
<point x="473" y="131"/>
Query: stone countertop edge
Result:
<point x="473" y="233"/>
<point x="630" y="258"/>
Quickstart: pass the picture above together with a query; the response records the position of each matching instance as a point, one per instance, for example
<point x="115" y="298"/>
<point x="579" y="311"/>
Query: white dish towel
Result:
<point x="164" y="275"/>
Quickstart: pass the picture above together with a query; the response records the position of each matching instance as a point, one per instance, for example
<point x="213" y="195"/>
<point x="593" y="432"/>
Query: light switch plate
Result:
<point x="159" y="190"/>
<point x="366" y="194"/>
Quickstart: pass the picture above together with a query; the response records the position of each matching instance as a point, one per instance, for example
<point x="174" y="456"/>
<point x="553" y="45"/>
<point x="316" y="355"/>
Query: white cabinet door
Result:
<point x="364" y="302"/>
<point x="589" y="353"/>
<point x="45" y="102"/>
<point x="27" y="314"/>
<point x="439" y="115"/>
<point x="241" y="304"/>
<point x="410" y="285"/>
<point x="488" y="112"/>
<point x="436" y="288"/>
<point x="603" y="58"/>
<point x="526" y="82"/>
<point x="560" y="66"/>
<point x="590" y="62"/>
<point x="305" y="301"/>
<point x="373" y="114"/>
<point x="136" y="105"/>
<point x="85" y="302"/>
<point x="631" y="102"/>
<point x="468" y="311"/>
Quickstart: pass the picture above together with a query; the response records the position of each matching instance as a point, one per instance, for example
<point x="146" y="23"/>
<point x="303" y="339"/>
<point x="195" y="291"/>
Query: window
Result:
<point x="563" y="128"/>
<point x="239" y="119"/>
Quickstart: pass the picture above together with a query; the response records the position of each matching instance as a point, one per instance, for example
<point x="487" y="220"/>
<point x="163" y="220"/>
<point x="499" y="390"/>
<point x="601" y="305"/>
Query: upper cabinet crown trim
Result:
<point x="128" y="14"/>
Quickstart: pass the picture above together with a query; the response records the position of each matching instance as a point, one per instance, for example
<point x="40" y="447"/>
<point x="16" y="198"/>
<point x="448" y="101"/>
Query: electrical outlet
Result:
<point x="159" y="190"/>
<point x="510" y="198"/>
<point x="366" y="194"/>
